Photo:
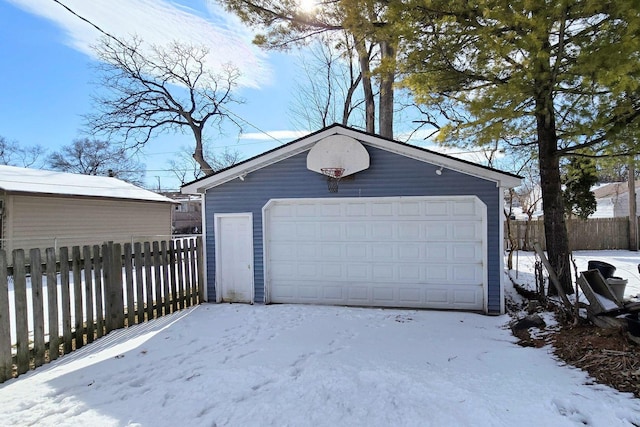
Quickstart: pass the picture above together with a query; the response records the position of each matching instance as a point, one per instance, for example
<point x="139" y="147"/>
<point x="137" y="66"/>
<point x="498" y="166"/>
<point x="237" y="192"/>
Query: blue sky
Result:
<point x="45" y="84"/>
<point x="46" y="74"/>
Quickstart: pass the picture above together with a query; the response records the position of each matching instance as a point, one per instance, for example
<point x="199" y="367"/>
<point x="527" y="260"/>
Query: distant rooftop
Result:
<point x="613" y="189"/>
<point x="15" y="179"/>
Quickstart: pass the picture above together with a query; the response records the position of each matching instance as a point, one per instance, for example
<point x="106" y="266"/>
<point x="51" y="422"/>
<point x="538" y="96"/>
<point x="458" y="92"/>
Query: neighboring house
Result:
<point x="407" y="227"/>
<point x="613" y="200"/>
<point x="187" y="213"/>
<point x="42" y="209"/>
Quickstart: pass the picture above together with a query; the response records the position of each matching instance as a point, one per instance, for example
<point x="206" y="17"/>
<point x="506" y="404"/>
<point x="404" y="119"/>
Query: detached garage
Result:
<point x="343" y="217"/>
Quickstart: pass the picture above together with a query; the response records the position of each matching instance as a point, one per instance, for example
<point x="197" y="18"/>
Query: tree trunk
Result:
<point x="387" y="78"/>
<point x="555" y="229"/>
<point x="198" y="153"/>
<point x="369" y="100"/>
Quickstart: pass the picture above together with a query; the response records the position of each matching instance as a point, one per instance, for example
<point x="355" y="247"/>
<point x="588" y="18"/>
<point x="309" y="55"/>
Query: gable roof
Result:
<point x="23" y="180"/>
<point x="502" y="179"/>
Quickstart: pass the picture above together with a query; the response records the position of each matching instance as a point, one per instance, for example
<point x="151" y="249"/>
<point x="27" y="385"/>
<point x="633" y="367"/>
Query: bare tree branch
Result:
<point x="168" y="89"/>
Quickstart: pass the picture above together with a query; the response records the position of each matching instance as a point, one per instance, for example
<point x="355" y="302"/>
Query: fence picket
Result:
<point x="6" y="362"/>
<point x="76" y="267"/>
<point x="37" y="302"/>
<point x="164" y="256"/>
<point x="116" y="294"/>
<point x="107" y="272"/>
<point x="158" y="279"/>
<point x="88" y="292"/>
<point x="589" y="234"/>
<point x="171" y="280"/>
<point x="137" y="250"/>
<point x="187" y="273"/>
<point x="148" y="279"/>
<point x="180" y="274"/>
<point x="65" y="291"/>
<point x="22" y="324"/>
<point x="172" y="275"/>
<point x="52" y="303"/>
<point x="97" y="266"/>
<point x="128" y="272"/>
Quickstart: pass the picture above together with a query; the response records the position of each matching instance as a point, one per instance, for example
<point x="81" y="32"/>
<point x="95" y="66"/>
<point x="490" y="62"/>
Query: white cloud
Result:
<point x="157" y="22"/>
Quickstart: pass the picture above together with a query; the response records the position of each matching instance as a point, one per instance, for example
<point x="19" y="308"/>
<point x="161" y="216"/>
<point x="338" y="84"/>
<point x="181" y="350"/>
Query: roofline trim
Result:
<point x="199" y="186"/>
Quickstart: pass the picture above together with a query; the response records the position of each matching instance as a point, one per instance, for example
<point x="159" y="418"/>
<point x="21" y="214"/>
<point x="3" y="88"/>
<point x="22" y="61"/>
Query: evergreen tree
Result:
<point x="559" y="76"/>
<point x="581" y="175"/>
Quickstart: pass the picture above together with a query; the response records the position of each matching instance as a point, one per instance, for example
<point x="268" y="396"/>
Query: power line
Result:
<point x="111" y="36"/>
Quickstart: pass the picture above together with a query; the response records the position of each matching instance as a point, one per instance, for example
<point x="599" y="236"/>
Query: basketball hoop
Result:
<point x="333" y="178"/>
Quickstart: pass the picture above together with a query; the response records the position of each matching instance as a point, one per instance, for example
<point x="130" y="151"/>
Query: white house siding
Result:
<point x="48" y="221"/>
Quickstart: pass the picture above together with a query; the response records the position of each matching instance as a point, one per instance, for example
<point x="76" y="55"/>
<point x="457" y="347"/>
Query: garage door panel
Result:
<point x="381" y="209"/>
<point x="437" y="208"/>
<point x="381" y="295"/>
<point x="410" y="209"/>
<point x="381" y="231"/>
<point x="470" y="252"/>
<point x="409" y="252"/>
<point x="383" y="272"/>
<point x="403" y="252"/>
<point x="465" y="231"/>
<point x="358" y="252"/>
<point x="435" y="231"/>
<point x="356" y="231"/>
<point x="381" y="252"/>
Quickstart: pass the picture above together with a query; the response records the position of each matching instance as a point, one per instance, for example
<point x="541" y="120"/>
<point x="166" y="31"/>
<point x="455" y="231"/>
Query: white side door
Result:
<point x="234" y="257"/>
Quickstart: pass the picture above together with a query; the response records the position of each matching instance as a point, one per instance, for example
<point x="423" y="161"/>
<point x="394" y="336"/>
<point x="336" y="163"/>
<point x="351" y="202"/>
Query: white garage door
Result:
<point x="425" y="252"/>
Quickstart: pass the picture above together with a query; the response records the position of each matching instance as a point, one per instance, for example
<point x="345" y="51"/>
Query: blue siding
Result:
<point x="389" y="175"/>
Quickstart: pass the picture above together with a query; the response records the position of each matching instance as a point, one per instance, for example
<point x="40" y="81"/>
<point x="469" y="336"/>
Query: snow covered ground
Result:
<point x="288" y="365"/>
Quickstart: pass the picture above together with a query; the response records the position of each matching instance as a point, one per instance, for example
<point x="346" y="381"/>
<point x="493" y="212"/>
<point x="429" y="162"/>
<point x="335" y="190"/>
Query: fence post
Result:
<point x="37" y="300"/>
<point x="6" y="364"/>
<point x="192" y="299"/>
<point x="22" y="324"/>
<point x="200" y="260"/>
<point x="114" y="287"/>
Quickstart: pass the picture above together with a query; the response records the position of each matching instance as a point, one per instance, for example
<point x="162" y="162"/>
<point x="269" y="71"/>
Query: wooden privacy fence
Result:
<point x="49" y="308"/>
<point x="584" y="234"/>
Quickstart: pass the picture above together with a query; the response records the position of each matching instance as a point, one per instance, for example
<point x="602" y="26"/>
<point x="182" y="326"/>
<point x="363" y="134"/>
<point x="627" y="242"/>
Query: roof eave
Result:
<point x="502" y="179"/>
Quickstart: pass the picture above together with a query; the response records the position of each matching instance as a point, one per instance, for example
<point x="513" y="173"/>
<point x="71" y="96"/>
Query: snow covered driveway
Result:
<point x="241" y="365"/>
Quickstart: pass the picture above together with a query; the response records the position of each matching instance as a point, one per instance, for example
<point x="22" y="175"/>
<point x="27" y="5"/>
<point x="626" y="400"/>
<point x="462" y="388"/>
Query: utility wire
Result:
<point x="111" y="36"/>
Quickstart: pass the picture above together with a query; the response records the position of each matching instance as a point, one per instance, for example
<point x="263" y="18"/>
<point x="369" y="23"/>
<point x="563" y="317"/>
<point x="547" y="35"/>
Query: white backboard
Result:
<point x="338" y="151"/>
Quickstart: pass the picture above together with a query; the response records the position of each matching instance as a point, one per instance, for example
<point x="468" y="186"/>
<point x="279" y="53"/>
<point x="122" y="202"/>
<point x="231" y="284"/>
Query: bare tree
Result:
<point x="12" y="154"/>
<point x="186" y="169"/>
<point x="284" y="24"/>
<point x="327" y="92"/>
<point x="95" y="157"/>
<point x="168" y="89"/>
